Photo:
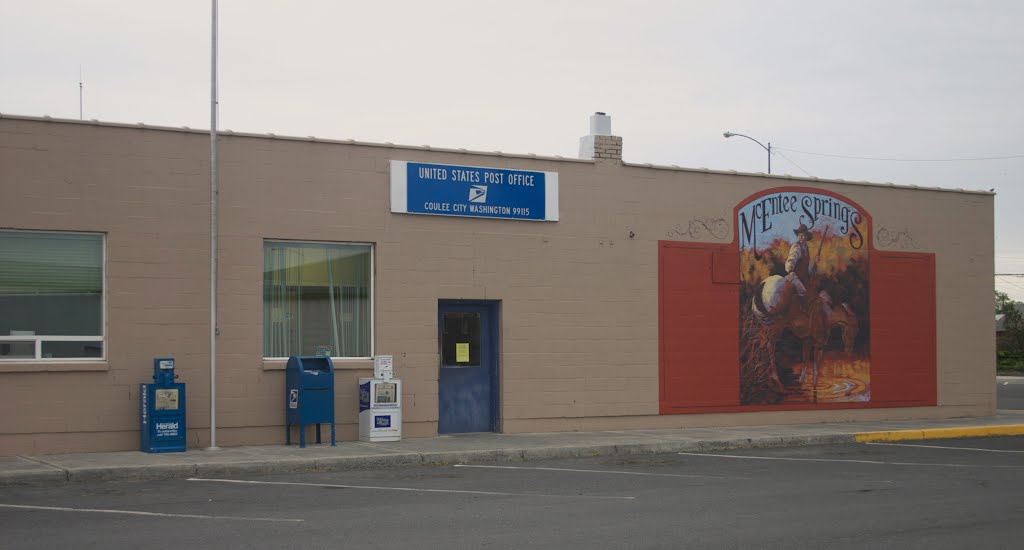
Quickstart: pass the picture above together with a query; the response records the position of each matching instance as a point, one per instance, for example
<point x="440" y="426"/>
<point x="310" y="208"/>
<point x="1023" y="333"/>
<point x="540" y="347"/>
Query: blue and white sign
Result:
<point x="472" y="191"/>
<point x="167" y="429"/>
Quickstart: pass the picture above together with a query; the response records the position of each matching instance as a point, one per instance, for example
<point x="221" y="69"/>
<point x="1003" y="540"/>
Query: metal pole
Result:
<point x="213" y="232"/>
<point x="768" y="148"/>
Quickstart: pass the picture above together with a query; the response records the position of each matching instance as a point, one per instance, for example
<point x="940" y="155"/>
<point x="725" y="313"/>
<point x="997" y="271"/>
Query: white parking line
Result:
<point x="850" y="460"/>
<point x="595" y="471"/>
<point x="141" y="513"/>
<point x="409" y="489"/>
<point x="941" y="447"/>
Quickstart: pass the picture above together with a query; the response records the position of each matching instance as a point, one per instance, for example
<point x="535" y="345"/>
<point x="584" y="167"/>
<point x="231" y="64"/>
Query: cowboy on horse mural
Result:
<point x="798" y="264"/>
<point x="801" y="301"/>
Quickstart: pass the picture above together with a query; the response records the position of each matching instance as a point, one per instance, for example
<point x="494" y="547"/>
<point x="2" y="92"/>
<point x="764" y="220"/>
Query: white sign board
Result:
<point x="382" y="366"/>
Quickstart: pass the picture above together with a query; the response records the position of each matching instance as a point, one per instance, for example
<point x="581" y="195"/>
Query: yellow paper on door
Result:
<point x="462" y="352"/>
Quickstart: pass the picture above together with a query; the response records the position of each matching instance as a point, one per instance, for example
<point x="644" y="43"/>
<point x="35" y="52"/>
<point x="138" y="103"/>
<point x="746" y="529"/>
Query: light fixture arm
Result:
<point x="763" y="146"/>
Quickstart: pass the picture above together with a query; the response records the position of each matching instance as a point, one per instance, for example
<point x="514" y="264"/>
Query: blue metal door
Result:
<point x="468" y="378"/>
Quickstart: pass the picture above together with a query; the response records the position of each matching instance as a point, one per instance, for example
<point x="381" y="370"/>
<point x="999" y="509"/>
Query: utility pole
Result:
<point x="213" y="232"/>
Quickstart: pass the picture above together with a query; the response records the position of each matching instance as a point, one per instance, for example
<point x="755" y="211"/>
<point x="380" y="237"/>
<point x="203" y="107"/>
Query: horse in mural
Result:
<point x="845" y="319"/>
<point x="778" y="307"/>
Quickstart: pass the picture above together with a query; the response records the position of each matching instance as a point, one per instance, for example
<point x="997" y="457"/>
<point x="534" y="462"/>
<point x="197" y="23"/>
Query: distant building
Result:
<point x="1001" y="319"/>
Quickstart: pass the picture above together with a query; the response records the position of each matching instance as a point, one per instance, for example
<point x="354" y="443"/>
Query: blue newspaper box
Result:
<point x="162" y="411"/>
<point x="309" y="397"/>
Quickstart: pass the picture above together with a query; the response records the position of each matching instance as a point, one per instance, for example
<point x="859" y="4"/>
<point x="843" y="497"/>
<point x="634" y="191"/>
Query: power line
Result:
<point x="789" y="160"/>
<point x="900" y="160"/>
<point x="1015" y="285"/>
<point x="1005" y="282"/>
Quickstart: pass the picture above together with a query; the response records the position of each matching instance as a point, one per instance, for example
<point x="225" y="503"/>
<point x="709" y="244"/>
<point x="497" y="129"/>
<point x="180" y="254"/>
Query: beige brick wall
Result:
<point x="148" y="191"/>
<point x="579" y="296"/>
<point x="608" y="147"/>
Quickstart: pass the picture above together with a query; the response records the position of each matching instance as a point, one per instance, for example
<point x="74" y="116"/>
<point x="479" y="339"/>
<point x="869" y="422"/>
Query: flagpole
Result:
<point x="213" y="232"/>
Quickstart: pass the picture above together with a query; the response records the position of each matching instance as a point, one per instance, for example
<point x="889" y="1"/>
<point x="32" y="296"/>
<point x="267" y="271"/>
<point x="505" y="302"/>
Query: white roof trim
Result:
<point x="531" y="156"/>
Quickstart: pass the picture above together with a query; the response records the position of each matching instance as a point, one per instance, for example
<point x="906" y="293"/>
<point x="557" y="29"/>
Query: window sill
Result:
<point x="339" y="364"/>
<point x="55" y="366"/>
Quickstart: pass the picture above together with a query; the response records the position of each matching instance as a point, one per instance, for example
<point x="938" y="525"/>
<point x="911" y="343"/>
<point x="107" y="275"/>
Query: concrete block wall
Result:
<point x="579" y="297"/>
<point x="148" y="193"/>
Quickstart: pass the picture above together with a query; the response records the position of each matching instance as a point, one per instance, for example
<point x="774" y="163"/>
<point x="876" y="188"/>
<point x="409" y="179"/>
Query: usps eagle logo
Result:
<point x="478" y="193"/>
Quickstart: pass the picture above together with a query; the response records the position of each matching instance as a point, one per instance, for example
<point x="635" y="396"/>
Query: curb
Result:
<point x="940" y="433"/>
<point x="35" y="478"/>
<point x="61" y="476"/>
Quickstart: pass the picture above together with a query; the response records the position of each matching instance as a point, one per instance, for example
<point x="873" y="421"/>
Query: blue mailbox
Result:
<point x="162" y="414"/>
<point x="309" y="396"/>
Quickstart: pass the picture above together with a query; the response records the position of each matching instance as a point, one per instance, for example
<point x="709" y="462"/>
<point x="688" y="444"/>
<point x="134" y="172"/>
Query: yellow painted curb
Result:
<point x="941" y="433"/>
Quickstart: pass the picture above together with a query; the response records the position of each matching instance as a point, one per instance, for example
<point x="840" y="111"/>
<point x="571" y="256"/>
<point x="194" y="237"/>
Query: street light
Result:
<point x="768" y="148"/>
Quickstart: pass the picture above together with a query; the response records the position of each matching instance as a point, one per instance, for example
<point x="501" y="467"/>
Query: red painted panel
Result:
<point x="903" y="369"/>
<point x="698" y="330"/>
<point x="725" y="267"/>
<point x="700" y="287"/>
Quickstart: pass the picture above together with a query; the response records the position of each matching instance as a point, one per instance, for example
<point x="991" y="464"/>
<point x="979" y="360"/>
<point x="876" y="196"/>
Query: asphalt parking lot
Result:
<point x="927" y="494"/>
<point x="1010" y="393"/>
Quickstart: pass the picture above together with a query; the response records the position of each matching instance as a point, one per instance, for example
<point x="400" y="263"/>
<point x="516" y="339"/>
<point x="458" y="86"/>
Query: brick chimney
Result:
<point x="601" y="145"/>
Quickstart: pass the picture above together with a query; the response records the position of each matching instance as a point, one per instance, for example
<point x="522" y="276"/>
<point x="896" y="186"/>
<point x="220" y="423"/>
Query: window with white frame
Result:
<point x="317" y="299"/>
<point x="51" y="295"/>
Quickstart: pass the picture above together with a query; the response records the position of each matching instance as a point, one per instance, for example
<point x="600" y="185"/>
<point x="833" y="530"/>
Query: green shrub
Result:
<point x="1010" y="345"/>
<point x="1010" y="360"/>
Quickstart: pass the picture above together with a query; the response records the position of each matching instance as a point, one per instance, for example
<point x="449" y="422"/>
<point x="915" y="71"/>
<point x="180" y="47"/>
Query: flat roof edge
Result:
<point x="528" y="156"/>
<point x="811" y="179"/>
<point x="308" y="139"/>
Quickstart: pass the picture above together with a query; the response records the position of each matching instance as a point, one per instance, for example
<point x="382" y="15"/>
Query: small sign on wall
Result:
<point x="383" y="366"/>
<point x="473" y="191"/>
<point x="462" y="352"/>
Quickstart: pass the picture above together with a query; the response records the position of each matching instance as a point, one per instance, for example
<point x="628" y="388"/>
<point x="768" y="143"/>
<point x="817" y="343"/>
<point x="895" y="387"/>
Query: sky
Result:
<point x="921" y="81"/>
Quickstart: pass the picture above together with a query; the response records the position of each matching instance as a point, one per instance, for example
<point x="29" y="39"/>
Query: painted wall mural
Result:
<point x="804" y="299"/>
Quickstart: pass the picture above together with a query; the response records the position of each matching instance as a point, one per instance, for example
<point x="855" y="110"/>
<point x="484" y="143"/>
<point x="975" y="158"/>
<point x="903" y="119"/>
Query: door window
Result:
<point x="460" y="339"/>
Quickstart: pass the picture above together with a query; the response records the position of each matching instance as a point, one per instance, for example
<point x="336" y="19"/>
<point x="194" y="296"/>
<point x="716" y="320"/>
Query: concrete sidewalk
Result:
<point x="482" y="447"/>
